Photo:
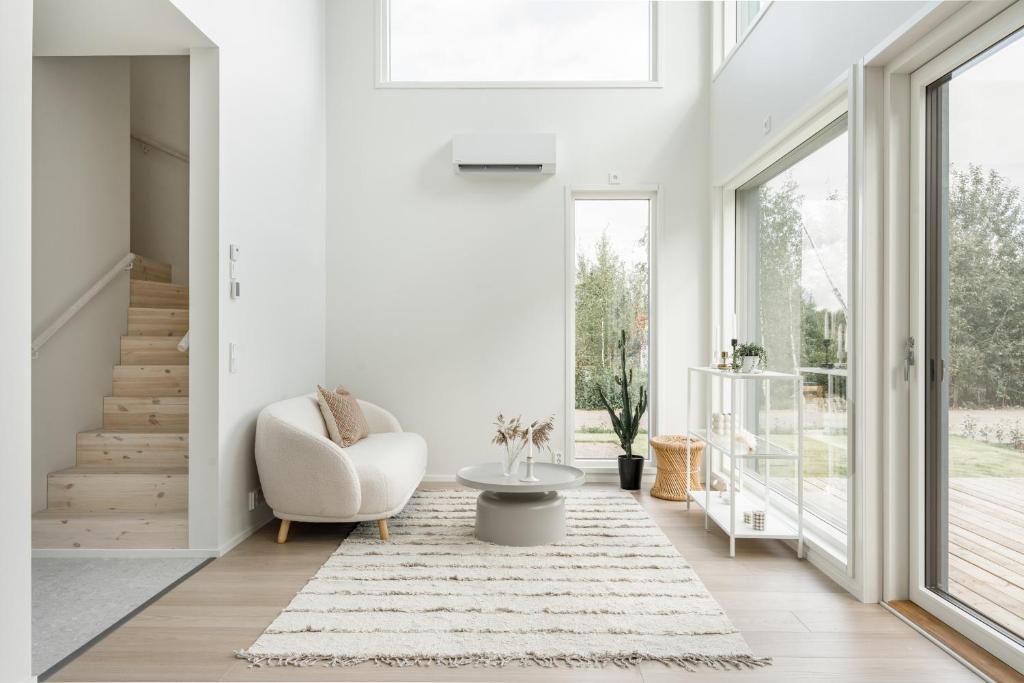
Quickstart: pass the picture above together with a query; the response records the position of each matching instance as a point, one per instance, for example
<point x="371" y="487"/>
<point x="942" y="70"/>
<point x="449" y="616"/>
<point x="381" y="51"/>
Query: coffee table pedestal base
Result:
<point x="521" y="519"/>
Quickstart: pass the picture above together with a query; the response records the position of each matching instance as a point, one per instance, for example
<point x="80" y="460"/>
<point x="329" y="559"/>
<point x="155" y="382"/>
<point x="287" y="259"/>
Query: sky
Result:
<point x="624" y="220"/>
<point x="818" y="176"/>
<point x="519" y="40"/>
<point x="986" y="106"/>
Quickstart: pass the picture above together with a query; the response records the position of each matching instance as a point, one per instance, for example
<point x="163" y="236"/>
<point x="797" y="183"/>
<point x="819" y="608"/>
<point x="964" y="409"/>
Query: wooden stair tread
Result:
<point x="150" y="380"/>
<point x="151" y="270"/>
<point x="74" y="529"/>
<point x="157" y="322"/>
<point x="145" y="471"/>
<point x="154" y="350"/>
<point x="145" y="414"/>
<point x="149" y="294"/>
<point x="63" y="514"/>
<point x="116" y="432"/>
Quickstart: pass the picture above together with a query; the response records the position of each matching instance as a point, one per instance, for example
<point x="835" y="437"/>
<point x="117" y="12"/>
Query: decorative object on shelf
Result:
<point x="721" y="423"/>
<point x="747" y="516"/>
<point x="745" y="440"/>
<point x="826" y="341"/>
<point x="749" y="358"/>
<point x="627" y="423"/>
<point x="678" y="461"/>
<point x="537" y="435"/>
<point x="758" y="517"/>
<point x="724" y="365"/>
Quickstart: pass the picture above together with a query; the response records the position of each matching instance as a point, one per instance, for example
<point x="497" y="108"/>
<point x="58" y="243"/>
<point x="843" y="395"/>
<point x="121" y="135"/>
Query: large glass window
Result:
<point x="734" y="18"/>
<point x="974" y="345"/>
<point x="612" y="254"/>
<point x="793" y="297"/>
<point x="510" y="41"/>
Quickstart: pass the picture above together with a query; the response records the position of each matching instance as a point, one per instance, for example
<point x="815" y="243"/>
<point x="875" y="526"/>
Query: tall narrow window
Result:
<point x="974" y="345"/>
<point x="510" y="41"/>
<point x="794" y="298"/>
<point x="612" y="255"/>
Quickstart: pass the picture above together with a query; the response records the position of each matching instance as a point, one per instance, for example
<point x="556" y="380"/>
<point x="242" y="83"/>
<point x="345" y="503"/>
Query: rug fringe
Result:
<point x="687" y="662"/>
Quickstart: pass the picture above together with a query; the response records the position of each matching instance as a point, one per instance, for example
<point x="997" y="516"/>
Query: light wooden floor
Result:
<point x="785" y="608"/>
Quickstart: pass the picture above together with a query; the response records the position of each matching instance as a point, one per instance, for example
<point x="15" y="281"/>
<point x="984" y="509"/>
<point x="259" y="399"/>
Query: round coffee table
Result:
<point x="513" y="512"/>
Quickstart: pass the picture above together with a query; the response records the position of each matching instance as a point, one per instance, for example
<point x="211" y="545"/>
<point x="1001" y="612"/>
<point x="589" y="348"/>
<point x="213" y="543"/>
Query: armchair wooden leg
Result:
<point x="282" y="533"/>
<point x="382" y="524"/>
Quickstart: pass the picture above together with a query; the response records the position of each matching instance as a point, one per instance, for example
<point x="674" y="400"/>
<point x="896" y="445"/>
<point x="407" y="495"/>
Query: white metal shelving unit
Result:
<point x="728" y="514"/>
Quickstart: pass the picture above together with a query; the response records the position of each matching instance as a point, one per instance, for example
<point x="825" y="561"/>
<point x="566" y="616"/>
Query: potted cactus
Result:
<point x="627" y="423"/>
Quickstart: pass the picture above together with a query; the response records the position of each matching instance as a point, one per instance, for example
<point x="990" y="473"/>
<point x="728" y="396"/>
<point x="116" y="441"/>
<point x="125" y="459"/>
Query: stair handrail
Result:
<point x="124" y="264"/>
<point x="149" y="142"/>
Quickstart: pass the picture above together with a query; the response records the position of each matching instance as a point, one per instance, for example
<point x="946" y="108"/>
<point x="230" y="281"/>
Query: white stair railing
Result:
<point x="122" y="265"/>
<point x="149" y="143"/>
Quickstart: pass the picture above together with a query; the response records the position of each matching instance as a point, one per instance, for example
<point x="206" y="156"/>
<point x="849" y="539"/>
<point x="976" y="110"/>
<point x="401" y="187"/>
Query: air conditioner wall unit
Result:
<point x="504" y="153"/>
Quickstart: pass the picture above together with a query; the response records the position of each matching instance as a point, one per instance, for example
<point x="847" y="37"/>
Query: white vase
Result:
<point x="751" y="364"/>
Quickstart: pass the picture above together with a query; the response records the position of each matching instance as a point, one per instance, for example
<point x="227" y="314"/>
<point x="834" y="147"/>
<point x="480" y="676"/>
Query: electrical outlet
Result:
<point x="766" y="125"/>
<point x="613" y="178"/>
<point x="559" y="458"/>
<point x="255" y="498"/>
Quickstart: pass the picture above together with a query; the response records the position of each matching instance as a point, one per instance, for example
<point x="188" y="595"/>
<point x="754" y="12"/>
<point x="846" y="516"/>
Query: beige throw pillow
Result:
<point x="346" y="423"/>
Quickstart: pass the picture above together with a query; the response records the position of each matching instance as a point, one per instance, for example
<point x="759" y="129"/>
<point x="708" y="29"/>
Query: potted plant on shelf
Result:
<point x="749" y="357"/>
<point x="627" y="423"/>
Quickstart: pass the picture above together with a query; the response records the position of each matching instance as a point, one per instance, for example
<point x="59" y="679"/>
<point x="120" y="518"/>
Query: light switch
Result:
<point x="232" y="357"/>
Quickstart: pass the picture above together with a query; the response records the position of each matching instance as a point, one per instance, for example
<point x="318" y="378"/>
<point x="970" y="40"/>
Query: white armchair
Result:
<point x="307" y="477"/>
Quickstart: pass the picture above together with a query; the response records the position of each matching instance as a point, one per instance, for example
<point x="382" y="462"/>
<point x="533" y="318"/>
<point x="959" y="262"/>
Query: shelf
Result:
<point x="765" y="449"/>
<point x="776" y="526"/>
<point x="729" y="374"/>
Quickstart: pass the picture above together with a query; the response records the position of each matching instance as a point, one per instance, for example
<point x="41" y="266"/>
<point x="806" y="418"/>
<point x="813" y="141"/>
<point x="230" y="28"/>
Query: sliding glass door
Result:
<point x="973" y="389"/>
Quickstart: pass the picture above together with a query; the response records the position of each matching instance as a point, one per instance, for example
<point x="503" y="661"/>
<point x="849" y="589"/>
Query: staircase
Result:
<point x="129" y="486"/>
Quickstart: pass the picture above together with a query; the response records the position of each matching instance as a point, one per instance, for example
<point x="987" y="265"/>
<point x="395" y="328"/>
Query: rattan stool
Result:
<point x="670" y="481"/>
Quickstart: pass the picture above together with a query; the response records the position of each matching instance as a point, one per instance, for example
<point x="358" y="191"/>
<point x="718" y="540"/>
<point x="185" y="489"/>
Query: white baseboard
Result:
<point x="439" y="478"/>
<point x="261" y="522"/>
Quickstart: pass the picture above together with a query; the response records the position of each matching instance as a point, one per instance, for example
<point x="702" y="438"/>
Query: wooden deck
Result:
<point x="986" y="547"/>
<point x="986" y="541"/>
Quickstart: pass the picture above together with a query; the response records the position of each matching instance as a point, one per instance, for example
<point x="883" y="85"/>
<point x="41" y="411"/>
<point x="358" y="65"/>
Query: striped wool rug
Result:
<point x="614" y="591"/>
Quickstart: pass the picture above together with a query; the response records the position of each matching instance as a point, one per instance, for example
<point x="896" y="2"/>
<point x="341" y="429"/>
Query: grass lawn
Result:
<point x="639" y="444"/>
<point x="968" y="457"/>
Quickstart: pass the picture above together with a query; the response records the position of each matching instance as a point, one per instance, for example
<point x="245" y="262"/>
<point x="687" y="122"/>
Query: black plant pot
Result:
<point x="631" y="468"/>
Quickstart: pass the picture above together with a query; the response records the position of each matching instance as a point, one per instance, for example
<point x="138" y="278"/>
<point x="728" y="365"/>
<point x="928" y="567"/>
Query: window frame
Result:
<point x="382" y="66"/>
<point x="653" y="194"/>
<point x="721" y="55"/>
<point x="842" y="562"/>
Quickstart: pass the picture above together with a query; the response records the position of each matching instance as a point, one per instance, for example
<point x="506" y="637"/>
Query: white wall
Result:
<point x="159" y="186"/>
<point x="271" y="203"/>
<point x="80" y="197"/>
<point x="794" y="53"/>
<point x="16" y="337"/>
<point x="446" y="293"/>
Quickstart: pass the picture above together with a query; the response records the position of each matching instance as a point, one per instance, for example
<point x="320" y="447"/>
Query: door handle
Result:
<point x="908" y="358"/>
